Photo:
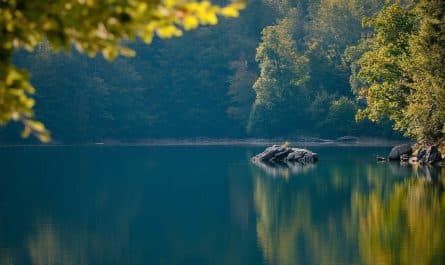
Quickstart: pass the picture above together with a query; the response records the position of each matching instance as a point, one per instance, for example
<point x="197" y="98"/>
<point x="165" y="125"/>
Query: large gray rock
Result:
<point x="269" y="153"/>
<point x="429" y="155"/>
<point x="398" y="150"/>
<point x="278" y="153"/>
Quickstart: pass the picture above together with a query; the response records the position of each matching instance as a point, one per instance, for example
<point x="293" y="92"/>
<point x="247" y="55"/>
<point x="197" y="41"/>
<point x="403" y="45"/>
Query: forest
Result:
<point x="284" y="68"/>
<point x="177" y="132"/>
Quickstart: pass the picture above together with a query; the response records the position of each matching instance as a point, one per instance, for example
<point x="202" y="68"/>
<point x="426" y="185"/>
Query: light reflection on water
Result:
<point x="283" y="169"/>
<point x="210" y="205"/>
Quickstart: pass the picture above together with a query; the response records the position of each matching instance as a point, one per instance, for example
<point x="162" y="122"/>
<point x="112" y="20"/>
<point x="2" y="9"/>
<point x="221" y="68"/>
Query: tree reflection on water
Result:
<point x="406" y="226"/>
<point x="283" y="169"/>
<point x="388" y="214"/>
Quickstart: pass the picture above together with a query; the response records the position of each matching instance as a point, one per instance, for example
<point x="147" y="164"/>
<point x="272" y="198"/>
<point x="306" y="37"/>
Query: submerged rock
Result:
<point x="276" y="154"/>
<point x="400" y="150"/>
<point x="429" y="155"/>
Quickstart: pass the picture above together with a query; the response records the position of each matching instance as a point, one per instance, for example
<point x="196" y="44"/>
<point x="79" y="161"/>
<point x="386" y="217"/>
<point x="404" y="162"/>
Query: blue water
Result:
<point x="210" y="205"/>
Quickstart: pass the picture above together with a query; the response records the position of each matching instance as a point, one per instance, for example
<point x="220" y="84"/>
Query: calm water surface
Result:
<point x="210" y="205"/>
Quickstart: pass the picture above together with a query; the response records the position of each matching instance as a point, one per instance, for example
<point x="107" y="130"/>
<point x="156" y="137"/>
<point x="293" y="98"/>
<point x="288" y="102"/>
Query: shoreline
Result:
<point x="259" y="142"/>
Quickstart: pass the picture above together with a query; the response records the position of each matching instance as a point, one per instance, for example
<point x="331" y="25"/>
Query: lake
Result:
<point x="210" y="205"/>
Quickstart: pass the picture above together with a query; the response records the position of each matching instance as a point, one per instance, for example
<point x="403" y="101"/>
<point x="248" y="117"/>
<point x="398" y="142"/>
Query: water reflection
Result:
<point x="295" y="225"/>
<point x="362" y="214"/>
<point x="405" y="226"/>
<point x="48" y="247"/>
<point x="125" y="206"/>
<point x="99" y="239"/>
<point x="283" y="169"/>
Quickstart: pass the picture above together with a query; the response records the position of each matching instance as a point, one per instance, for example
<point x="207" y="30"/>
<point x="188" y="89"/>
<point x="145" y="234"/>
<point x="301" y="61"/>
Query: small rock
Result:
<point x="398" y="150"/>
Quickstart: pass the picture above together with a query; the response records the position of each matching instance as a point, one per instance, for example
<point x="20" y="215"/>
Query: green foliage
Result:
<point x="381" y="65"/>
<point x="190" y="88"/>
<point x="425" y="112"/>
<point x="281" y="67"/>
<point x="91" y="27"/>
<point x="320" y="102"/>
<point x="337" y="24"/>
<point x="175" y="88"/>
<point x="350" y="57"/>
<point x="283" y="74"/>
<point x="403" y="70"/>
<point x="240" y="91"/>
<point x="341" y="111"/>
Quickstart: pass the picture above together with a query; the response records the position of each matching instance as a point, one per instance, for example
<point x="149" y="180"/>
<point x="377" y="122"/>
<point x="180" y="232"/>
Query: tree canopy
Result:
<point x="303" y="83"/>
<point x="90" y="26"/>
<point x="402" y="69"/>
<point x="284" y="68"/>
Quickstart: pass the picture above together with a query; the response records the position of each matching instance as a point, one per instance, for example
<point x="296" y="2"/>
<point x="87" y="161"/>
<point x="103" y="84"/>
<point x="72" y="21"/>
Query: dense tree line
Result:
<point x="303" y="51"/>
<point x="89" y="27"/>
<point x="401" y="69"/>
<point x="282" y="69"/>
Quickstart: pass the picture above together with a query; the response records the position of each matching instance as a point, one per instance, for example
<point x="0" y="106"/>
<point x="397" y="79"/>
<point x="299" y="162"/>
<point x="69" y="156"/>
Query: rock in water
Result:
<point x="278" y="153"/>
<point x="269" y="153"/>
<point x="399" y="150"/>
<point x="429" y="155"/>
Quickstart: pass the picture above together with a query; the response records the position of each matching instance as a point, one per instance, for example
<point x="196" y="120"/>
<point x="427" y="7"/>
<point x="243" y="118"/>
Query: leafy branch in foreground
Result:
<point x="91" y="27"/>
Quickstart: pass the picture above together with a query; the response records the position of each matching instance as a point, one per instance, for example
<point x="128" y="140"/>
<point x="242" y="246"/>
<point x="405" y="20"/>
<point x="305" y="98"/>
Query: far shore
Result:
<point x="260" y="142"/>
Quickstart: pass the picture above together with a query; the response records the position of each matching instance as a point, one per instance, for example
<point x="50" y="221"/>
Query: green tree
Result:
<point x="321" y="31"/>
<point x="425" y="111"/>
<point x="280" y="86"/>
<point x="91" y="27"/>
<point x="240" y="91"/>
<point x="336" y="24"/>
<point x="341" y="111"/>
<point x="381" y="66"/>
<point x="402" y="71"/>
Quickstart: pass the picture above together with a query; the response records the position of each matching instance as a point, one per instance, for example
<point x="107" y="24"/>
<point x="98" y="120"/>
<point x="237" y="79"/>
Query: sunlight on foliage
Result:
<point x="91" y="27"/>
<point x="402" y="70"/>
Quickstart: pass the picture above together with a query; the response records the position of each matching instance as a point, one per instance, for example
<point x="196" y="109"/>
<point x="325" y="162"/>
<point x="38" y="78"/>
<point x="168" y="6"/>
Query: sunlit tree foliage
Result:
<point x="402" y="74"/>
<point x="89" y="26"/>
